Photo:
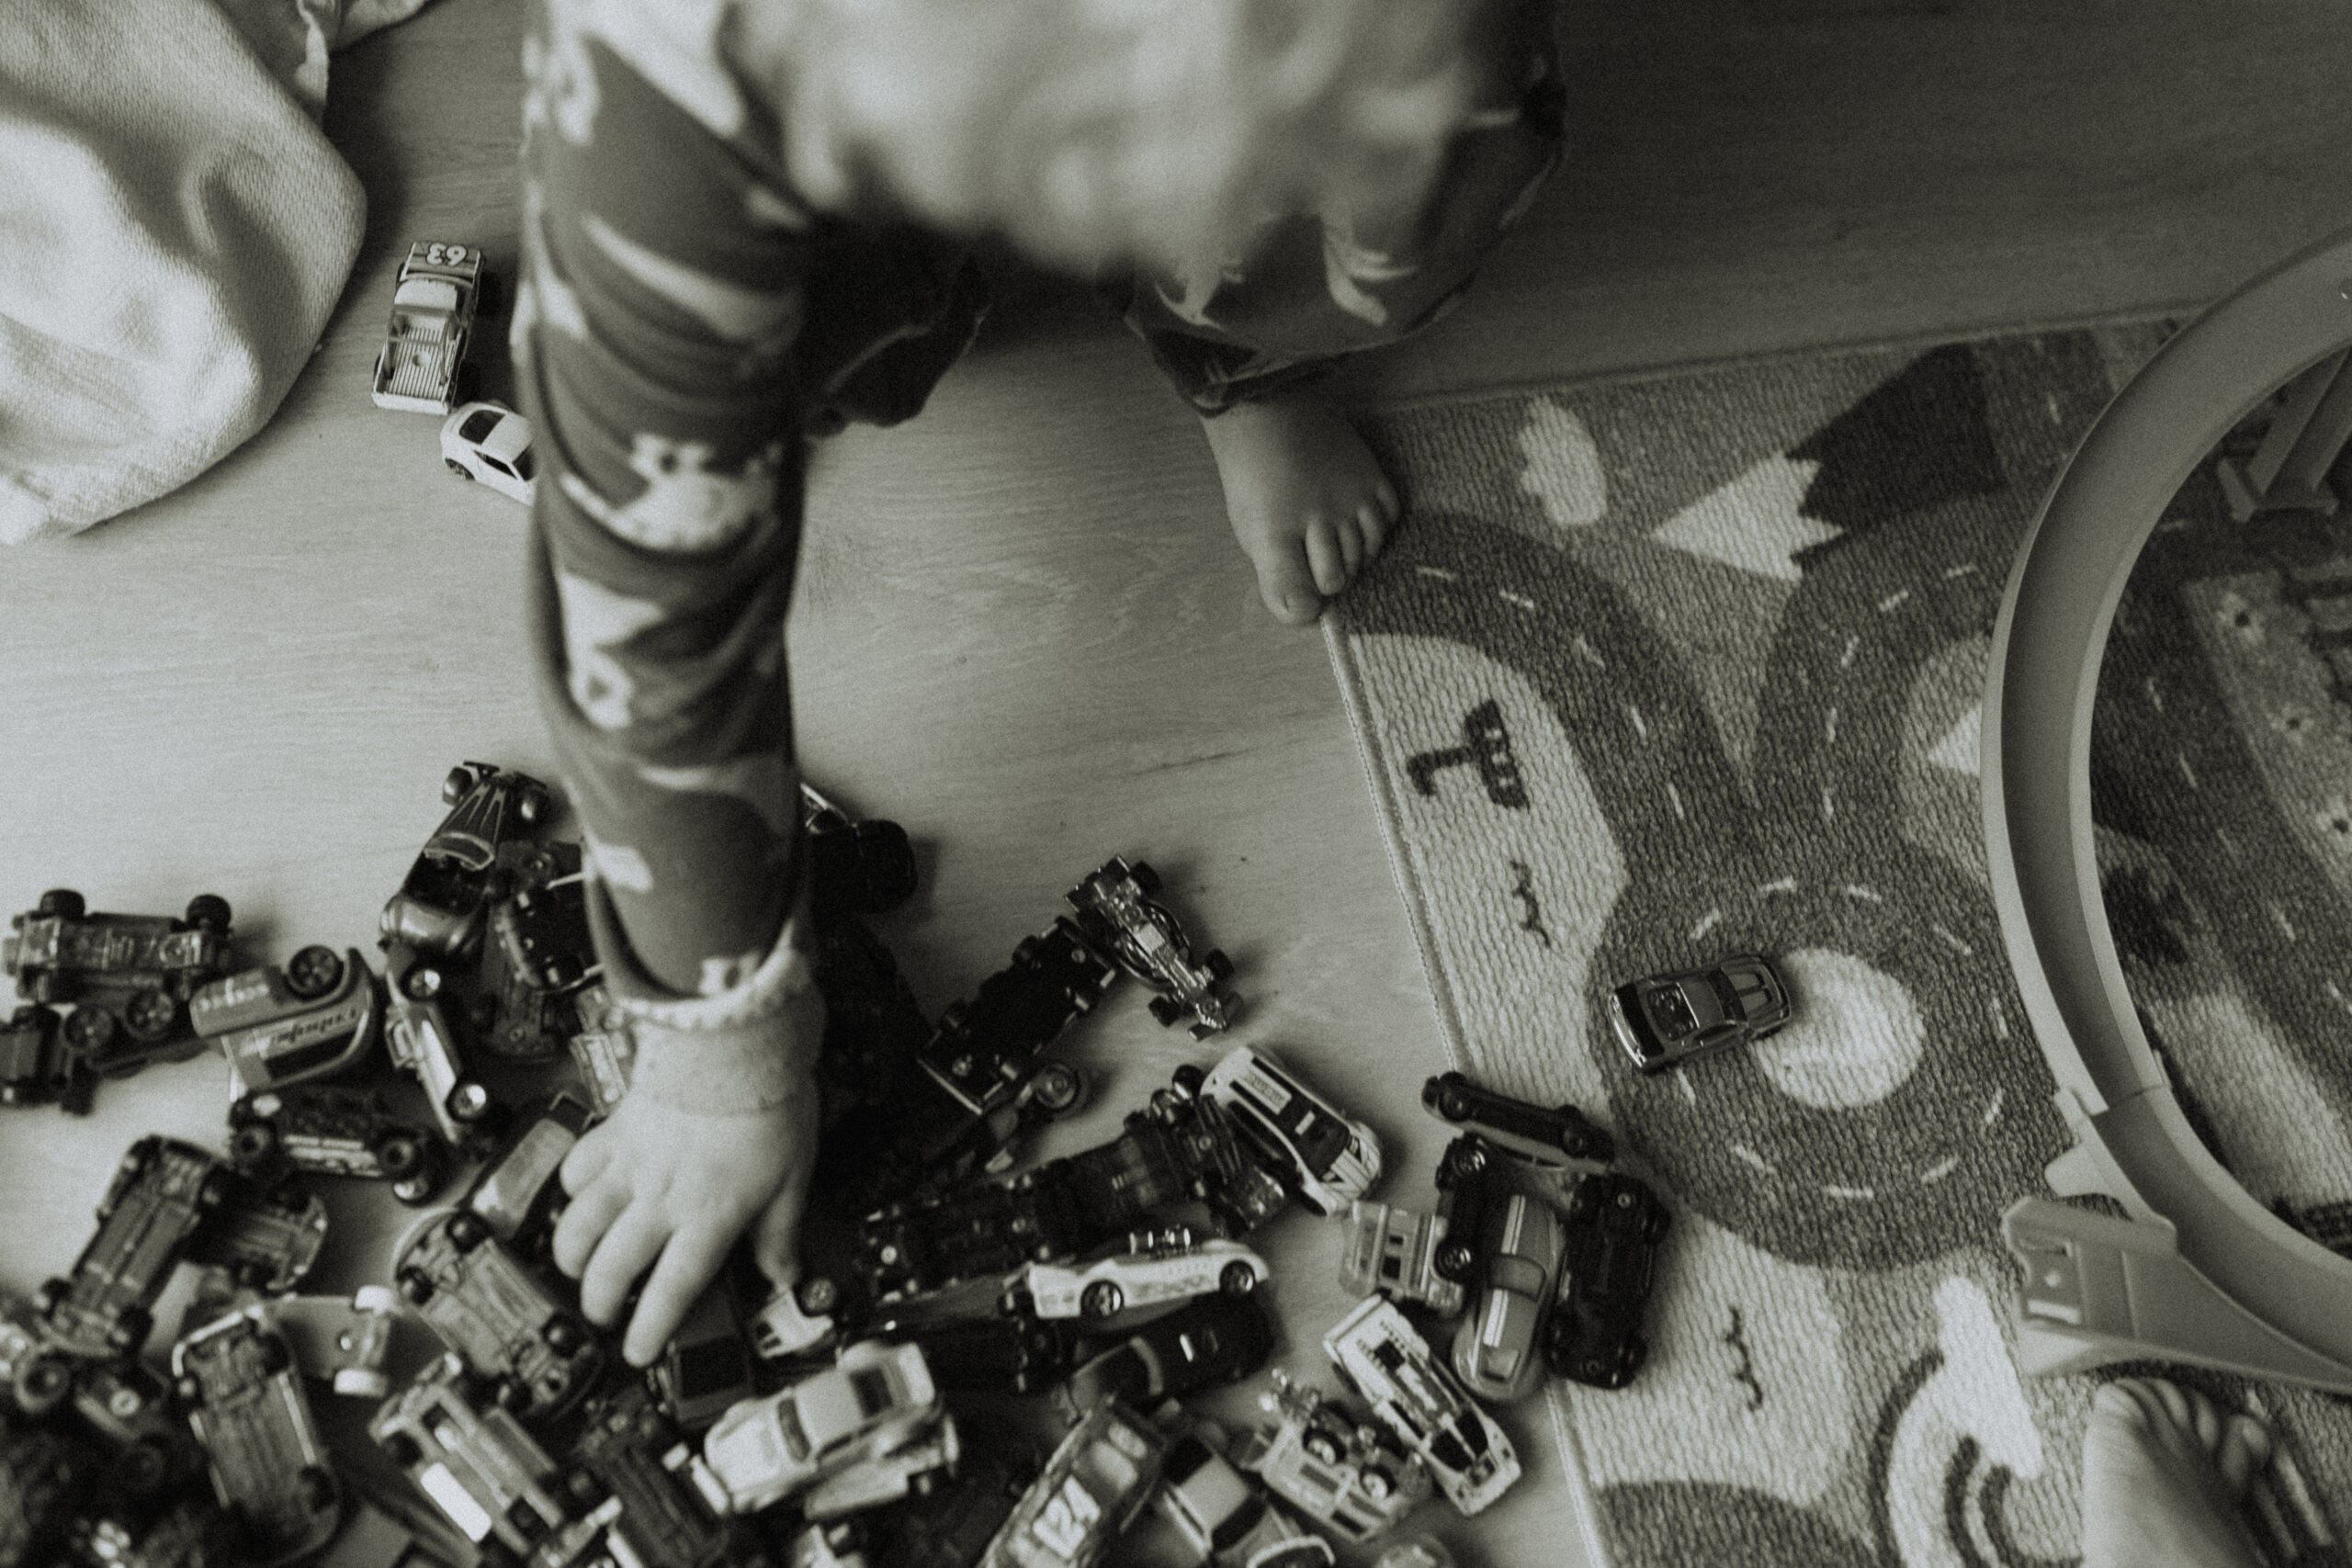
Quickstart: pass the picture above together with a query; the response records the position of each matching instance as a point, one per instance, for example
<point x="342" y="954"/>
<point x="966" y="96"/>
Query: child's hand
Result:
<point x="655" y="1182"/>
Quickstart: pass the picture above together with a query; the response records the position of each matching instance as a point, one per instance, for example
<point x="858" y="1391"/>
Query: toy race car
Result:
<point x="421" y="366"/>
<point x="1500" y="1349"/>
<point x="1665" y="1019"/>
<point x="1394" y="1251"/>
<point x="491" y="442"/>
<point x="246" y="1402"/>
<point x="1614" y="1225"/>
<point x="336" y="1130"/>
<point x="58" y="949"/>
<point x="1097" y="1481"/>
<point x="1118" y="914"/>
<point x="1383" y="1357"/>
<point x="510" y="1327"/>
<point x="1341" y="1471"/>
<point x="1327" y="1159"/>
<point x="1206" y="1343"/>
<point x="1554" y="1139"/>
<point x="1153" y="1266"/>
<point x="314" y="1017"/>
<point x="876" y="1400"/>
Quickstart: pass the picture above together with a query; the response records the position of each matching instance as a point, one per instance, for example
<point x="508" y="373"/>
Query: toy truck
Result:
<point x="419" y="368"/>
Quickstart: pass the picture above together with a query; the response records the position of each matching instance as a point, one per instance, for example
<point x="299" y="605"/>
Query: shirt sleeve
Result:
<point x="661" y="294"/>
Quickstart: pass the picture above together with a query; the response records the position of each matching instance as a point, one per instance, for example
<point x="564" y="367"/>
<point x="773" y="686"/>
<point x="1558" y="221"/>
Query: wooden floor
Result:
<point x="1024" y="631"/>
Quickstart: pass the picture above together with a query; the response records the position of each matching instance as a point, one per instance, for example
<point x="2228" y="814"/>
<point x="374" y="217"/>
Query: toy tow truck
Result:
<point x="419" y="368"/>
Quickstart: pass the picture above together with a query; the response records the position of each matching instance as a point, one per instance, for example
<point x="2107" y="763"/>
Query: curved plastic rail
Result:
<point x="2234" y="1260"/>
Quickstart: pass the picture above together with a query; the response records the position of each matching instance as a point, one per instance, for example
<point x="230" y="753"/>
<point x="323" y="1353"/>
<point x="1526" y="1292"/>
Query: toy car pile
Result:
<point x="853" y="1420"/>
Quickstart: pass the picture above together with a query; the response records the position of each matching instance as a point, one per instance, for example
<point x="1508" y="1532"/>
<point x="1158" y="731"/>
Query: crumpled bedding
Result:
<point x="174" y="231"/>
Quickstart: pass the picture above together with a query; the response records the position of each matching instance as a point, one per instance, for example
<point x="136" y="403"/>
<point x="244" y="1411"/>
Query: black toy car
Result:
<point x="985" y="1047"/>
<point x="1555" y="1138"/>
<point x="985" y="1228"/>
<point x="58" y="949"/>
<point x="1119" y="915"/>
<point x="1004" y="1354"/>
<point x="1470" y="1184"/>
<point x="41" y="1474"/>
<point x="445" y="897"/>
<point x="36" y="1067"/>
<point x="247" y="1404"/>
<point x="1206" y="1343"/>
<point x="706" y="1365"/>
<point x="639" y="1457"/>
<point x="127" y="1412"/>
<point x="419" y="1042"/>
<point x="1614" y="1225"/>
<point x="337" y="1130"/>
<point x="856" y="867"/>
<point x="1665" y="1019"/>
<point x="510" y="1327"/>
<point x="313" y="1017"/>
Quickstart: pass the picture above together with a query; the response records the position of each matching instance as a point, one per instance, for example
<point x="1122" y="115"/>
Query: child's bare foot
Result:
<point x="1305" y="496"/>
<point x="2163" y="1475"/>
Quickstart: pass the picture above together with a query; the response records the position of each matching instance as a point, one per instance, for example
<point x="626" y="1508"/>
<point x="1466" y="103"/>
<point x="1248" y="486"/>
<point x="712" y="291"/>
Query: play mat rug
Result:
<point x="1662" y="669"/>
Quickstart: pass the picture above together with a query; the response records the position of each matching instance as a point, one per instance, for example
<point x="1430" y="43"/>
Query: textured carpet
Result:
<point x="1662" y="670"/>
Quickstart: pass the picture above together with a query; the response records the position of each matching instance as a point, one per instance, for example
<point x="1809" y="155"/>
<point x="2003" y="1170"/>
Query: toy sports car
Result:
<point x="493" y="444"/>
<point x="874" y="1400"/>
<point x="1500" y="1349"/>
<point x="1153" y="1266"/>
<point x="1553" y="1138"/>
<point x="1665" y="1019"/>
<point x="1329" y="1158"/>
<point x="1614" y="1225"/>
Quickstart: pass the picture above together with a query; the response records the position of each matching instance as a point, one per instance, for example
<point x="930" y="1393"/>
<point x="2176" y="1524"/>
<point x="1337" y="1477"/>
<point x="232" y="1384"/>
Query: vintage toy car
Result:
<point x="1090" y="1489"/>
<point x="1394" y="1251"/>
<point x="638" y="1456"/>
<point x="1384" y="1358"/>
<point x="1664" y="1020"/>
<point x="1153" y="1266"/>
<point x="59" y="949"/>
<point x="913" y="1469"/>
<point x="420" y="368"/>
<point x="279" y="1026"/>
<point x="160" y="1194"/>
<point x="539" y="955"/>
<point x="445" y="897"/>
<point x="36" y="1067"/>
<point x="511" y="1328"/>
<point x="1348" y="1474"/>
<point x="1614" y="1225"/>
<point x="247" y="1402"/>
<point x="1205" y="1343"/>
<point x="475" y="1462"/>
<point x="1500" y="1349"/>
<point x="989" y="1227"/>
<point x="705" y="1367"/>
<point x="336" y="1130"/>
<point x="266" y="1237"/>
<point x="1329" y="1159"/>
<point x="516" y="1191"/>
<point x="491" y="442"/>
<point x="1223" y="1517"/>
<point x="876" y="1399"/>
<point x="1555" y="1139"/>
<point x="1120" y="917"/>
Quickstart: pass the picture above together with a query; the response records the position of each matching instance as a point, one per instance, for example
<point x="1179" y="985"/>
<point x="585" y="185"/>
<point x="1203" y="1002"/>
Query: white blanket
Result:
<point x="174" y="230"/>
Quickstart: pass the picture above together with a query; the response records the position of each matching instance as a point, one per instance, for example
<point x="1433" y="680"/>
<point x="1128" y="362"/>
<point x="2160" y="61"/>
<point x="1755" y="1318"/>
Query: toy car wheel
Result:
<point x="129" y="1330"/>
<point x="1166" y="1010"/>
<point x="459" y="469"/>
<point x="1455" y="1259"/>
<point x="209" y="912"/>
<point x="90" y="1030"/>
<point x="1101" y="1298"/>
<point x="51" y="1292"/>
<point x="143" y="1468"/>
<point x="563" y="1336"/>
<point x="467" y="1230"/>
<point x="415" y="1286"/>
<point x="1453" y="1104"/>
<point x="317" y="1488"/>
<point x="817" y="1295"/>
<point x="401" y="1449"/>
<point x="459" y="783"/>
<point x="1377" y="1484"/>
<point x="469" y="1102"/>
<point x="1237" y="1279"/>
<point x="1057" y="1087"/>
<point x="63" y="902"/>
<point x="512" y="1395"/>
<point x="1219" y="966"/>
<point x="314" y="971"/>
<point x="42" y="1384"/>
<point x="1187" y="1080"/>
<point x="534" y="806"/>
<point x="252" y="1144"/>
<point x="1464" y="1160"/>
<point x="149" y="1017"/>
<point x="1323" y="1446"/>
<point x="1145" y="879"/>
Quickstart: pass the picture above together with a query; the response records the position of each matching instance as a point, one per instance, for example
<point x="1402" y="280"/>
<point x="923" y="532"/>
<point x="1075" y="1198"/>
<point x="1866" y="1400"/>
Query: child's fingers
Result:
<point x="587" y="1160"/>
<point x="629" y="1250"/>
<point x="775" y="1235"/>
<point x="583" y="1223"/>
<point x="688" y="1263"/>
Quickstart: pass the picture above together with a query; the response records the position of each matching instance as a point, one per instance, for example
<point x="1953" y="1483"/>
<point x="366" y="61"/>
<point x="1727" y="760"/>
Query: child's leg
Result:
<point x="2163" y="1477"/>
<point x="1308" y="500"/>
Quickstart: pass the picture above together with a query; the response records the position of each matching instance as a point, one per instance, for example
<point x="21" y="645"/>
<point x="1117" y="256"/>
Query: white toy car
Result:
<point x="1329" y="1159"/>
<point x="1226" y="1518"/>
<point x="1157" y="1266"/>
<point x="1382" y="1356"/>
<point x="491" y="442"/>
<point x="876" y="1400"/>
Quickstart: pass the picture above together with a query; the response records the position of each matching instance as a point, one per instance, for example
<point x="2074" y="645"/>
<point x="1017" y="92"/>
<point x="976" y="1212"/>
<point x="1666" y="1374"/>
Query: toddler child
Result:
<point x="743" y="225"/>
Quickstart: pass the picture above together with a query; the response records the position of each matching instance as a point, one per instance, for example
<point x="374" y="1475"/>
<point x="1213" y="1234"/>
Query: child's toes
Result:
<point x="1325" y="557"/>
<point x="2246" y="1449"/>
<point x="1352" y="553"/>
<point x="1286" y="583"/>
